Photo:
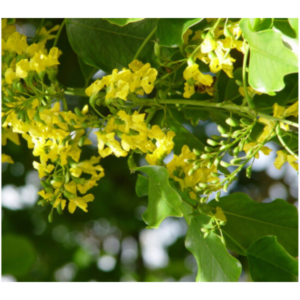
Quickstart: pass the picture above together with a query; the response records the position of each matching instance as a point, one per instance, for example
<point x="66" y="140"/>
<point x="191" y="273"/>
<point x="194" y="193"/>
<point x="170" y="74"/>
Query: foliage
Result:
<point x="155" y="84"/>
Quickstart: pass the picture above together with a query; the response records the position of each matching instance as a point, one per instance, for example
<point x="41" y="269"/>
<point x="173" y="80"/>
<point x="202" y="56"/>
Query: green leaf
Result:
<point x="214" y="262"/>
<point x="18" y="255"/>
<point x="194" y="115"/>
<point x="247" y="221"/>
<point x="107" y="46"/>
<point x="270" y="60"/>
<point x="163" y="199"/>
<point x="183" y="137"/>
<point x="294" y="24"/>
<point x="170" y="31"/>
<point x="87" y="71"/>
<point x="268" y="261"/>
<point x="288" y="95"/>
<point x="122" y="21"/>
<point x="186" y="208"/>
<point x="142" y="186"/>
<point x="232" y="89"/>
<point x="259" y="24"/>
<point x="284" y="26"/>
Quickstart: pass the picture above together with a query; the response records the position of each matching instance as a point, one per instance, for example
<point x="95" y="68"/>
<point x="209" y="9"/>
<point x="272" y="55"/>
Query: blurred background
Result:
<point x="110" y="242"/>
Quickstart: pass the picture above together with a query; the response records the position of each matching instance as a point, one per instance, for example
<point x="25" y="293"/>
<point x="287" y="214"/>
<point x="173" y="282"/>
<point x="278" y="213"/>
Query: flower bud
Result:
<point x="248" y="171"/>
<point x="69" y="195"/>
<point x="197" y="152"/>
<point x="205" y="156"/>
<point x="218" y="196"/>
<point x="246" y="121"/>
<point x="78" y="112"/>
<point x="191" y="171"/>
<point x="217" y="161"/>
<point x="236" y="161"/>
<point x="224" y="164"/>
<point x="50" y="217"/>
<point x="202" y="185"/>
<point x="209" y="149"/>
<point x="232" y="122"/>
<point x="221" y="129"/>
<point x="225" y="187"/>
<point x="212" y="142"/>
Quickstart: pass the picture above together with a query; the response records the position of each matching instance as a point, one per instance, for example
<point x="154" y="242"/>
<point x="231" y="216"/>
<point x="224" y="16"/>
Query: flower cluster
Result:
<point x="139" y="79"/>
<point x="191" y="174"/>
<point x="214" y="51"/>
<point x="21" y="60"/>
<point x="134" y="134"/>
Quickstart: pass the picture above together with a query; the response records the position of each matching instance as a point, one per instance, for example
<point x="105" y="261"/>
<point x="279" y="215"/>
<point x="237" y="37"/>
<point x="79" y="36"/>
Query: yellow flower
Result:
<point x="282" y="112"/>
<point x="3" y="23"/>
<point x="147" y="82"/>
<point x="16" y="43"/>
<point x="7" y="133"/>
<point x="7" y="30"/>
<point x="38" y="62"/>
<point x="2" y="46"/>
<point x="208" y="45"/>
<point x="60" y="201"/>
<point x="292" y="161"/>
<point x="95" y="87"/>
<point x="81" y="202"/>
<point x="186" y="35"/>
<point x="267" y="129"/>
<point x="283" y="157"/>
<point x="135" y="65"/>
<point x="122" y="90"/>
<point x="219" y="215"/>
<point x="33" y="48"/>
<point x="47" y="196"/>
<point x="45" y="34"/>
<point x="42" y="169"/>
<point x="113" y="145"/>
<point x="265" y="150"/>
<point x="52" y="59"/>
<point x="189" y="90"/>
<point x="6" y="158"/>
<point x="71" y="187"/>
<point x="204" y="79"/>
<point x="164" y="147"/>
<point x="9" y="75"/>
<point x="190" y="71"/>
<point x="22" y="68"/>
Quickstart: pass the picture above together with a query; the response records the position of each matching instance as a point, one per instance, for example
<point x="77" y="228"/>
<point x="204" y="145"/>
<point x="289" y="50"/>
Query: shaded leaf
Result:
<point x="247" y="221"/>
<point x="232" y="89"/>
<point x="170" y="31"/>
<point x="259" y="24"/>
<point x="270" y="60"/>
<point x="18" y="255"/>
<point x="215" y="264"/>
<point x="288" y="95"/>
<point x="183" y="137"/>
<point x="122" y="21"/>
<point x="164" y="201"/>
<point x="268" y="261"/>
<point x="284" y="26"/>
<point x="294" y="24"/>
<point x="194" y="115"/>
<point x="87" y="71"/>
<point x="107" y="46"/>
<point x="142" y="186"/>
